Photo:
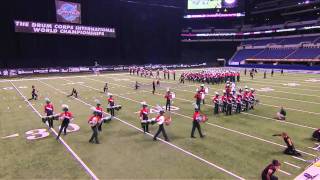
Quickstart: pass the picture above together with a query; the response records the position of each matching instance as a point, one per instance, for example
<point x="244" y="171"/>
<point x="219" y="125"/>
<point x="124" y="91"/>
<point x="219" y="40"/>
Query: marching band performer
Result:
<point x="136" y="86"/>
<point x="216" y="103"/>
<point x="281" y="115"/>
<point x="153" y="87"/>
<point x="160" y="119"/>
<point x="246" y="98"/>
<point x="290" y="150"/>
<point x="99" y="112"/>
<point x="203" y="92"/>
<point x="94" y="123"/>
<point x="195" y="123"/>
<point x="144" y="117"/>
<point x="48" y="110"/>
<point x="198" y="98"/>
<point x="111" y="104"/>
<point x="168" y="97"/>
<point x="229" y="104"/>
<point x="267" y="173"/>
<point x="66" y="117"/>
<point x="34" y="95"/>
<point x="105" y="88"/>
<point x="224" y="101"/>
<point x="316" y="135"/>
<point x="74" y="92"/>
<point x="251" y="97"/>
<point x="239" y="103"/>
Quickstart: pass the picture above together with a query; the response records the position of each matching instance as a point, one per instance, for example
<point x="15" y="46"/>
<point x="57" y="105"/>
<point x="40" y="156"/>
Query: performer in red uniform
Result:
<point x="202" y="91"/>
<point x="239" y="103"/>
<point x="216" y="103"/>
<point x="99" y="112"/>
<point x="197" y="96"/>
<point x="195" y="123"/>
<point x="94" y="123"/>
<point x="48" y="109"/>
<point x="229" y="104"/>
<point x="267" y="173"/>
<point x="144" y="112"/>
<point x="66" y="117"/>
<point x="224" y="101"/>
<point x="168" y="98"/>
<point x="111" y="104"/>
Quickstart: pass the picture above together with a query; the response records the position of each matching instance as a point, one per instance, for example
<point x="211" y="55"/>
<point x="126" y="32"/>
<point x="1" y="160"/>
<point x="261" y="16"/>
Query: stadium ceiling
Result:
<point x="179" y="4"/>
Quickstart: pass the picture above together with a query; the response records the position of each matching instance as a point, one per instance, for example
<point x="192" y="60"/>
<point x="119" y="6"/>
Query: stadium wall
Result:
<point x="145" y="34"/>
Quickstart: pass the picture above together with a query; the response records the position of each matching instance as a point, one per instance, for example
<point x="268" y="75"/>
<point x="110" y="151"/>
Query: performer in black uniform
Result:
<point x="267" y="173"/>
<point x="105" y="89"/>
<point x="136" y="86"/>
<point x="290" y="150"/>
<point x="74" y="93"/>
<point x="66" y="117"/>
<point x="153" y="87"/>
<point x="48" y="109"/>
<point x="34" y="94"/>
<point x="316" y="135"/>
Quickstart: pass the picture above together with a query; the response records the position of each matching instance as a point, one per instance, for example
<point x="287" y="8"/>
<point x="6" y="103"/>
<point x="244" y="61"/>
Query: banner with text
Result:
<point x="63" y="29"/>
<point x="68" y="12"/>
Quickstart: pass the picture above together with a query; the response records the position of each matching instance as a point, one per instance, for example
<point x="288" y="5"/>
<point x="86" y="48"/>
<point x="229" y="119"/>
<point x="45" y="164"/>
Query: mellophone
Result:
<point x="116" y="107"/>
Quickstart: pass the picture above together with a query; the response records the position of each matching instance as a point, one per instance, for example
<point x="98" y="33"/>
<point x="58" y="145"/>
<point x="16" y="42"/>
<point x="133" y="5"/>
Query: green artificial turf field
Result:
<point x="237" y="146"/>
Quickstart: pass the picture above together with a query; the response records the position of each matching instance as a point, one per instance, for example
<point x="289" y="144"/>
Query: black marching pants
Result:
<point x="161" y="129"/>
<point x="196" y="125"/>
<point x="64" y="126"/>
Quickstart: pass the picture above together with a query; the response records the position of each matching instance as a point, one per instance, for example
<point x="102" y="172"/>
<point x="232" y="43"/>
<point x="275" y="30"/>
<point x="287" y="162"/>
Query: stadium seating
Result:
<point x="274" y="53"/>
<point x="244" y="54"/>
<point x="305" y="53"/>
<point x="282" y="41"/>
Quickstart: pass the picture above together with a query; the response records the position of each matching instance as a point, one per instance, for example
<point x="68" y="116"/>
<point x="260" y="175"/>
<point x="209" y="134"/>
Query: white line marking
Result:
<point x="168" y="143"/>
<point x="299" y="158"/>
<point x="298" y="167"/>
<point x="221" y="127"/>
<point x="284" y="172"/>
<point x="10" y="136"/>
<point x="86" y="168"/>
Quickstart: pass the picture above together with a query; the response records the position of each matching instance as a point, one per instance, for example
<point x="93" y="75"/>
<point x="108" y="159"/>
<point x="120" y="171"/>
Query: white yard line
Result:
<point x="168" y="143"/>
<point x="301" y="159"/>
<point x="284" y="172"/>
<point x="77" y="158"/>
<point x="215" y="125"/>
<point x="290" y="164"/>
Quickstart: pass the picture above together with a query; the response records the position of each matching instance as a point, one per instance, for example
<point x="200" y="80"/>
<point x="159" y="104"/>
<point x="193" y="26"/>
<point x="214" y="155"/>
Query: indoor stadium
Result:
<point x="160" y="89"/>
